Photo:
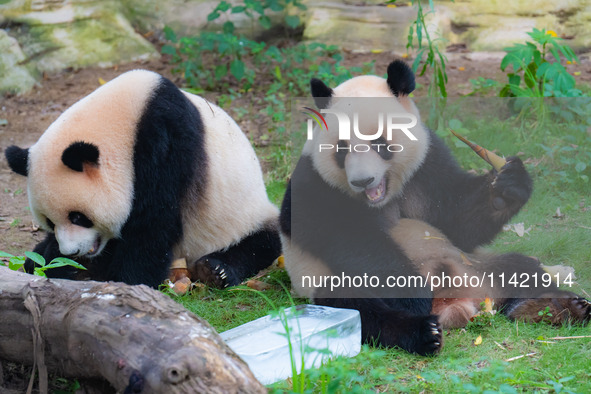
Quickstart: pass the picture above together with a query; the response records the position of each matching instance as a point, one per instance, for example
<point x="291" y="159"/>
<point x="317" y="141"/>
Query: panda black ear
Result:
<point x="401" y="79"/>
<point x="321" y="93"/>
<point x="79" y="153"/>
<point x="18" y="159"/>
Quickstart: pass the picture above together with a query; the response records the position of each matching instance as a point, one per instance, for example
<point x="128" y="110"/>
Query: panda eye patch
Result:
<point x="80" y="219"/>
<point x="380" y="145"/>
<point x="341" y="153"/>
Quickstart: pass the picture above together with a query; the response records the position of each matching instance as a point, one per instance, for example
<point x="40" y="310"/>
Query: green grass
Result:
<point x="561" y="366"/>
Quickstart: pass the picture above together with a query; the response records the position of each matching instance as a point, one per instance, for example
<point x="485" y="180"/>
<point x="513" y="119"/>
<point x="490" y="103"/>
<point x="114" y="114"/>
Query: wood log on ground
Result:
<point x="133" y="337"/>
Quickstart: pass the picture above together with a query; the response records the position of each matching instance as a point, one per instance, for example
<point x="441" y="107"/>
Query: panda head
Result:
<point x="375" y="159"/>
<point x="80" y="172"/>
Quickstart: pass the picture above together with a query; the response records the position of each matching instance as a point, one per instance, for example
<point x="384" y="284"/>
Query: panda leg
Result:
<point x="554" y="307"/>
<point x="240" y="261"/>
<point x="531" y="301"/>
<point x="402" y="322"/>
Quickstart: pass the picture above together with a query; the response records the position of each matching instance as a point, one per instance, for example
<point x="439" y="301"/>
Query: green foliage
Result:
<point x="534" y="72"/>
<point x="16" y="262"/>
<point x="428" y="54"/>
<point x="257" y="10"/>
<point x="203" y="61"/>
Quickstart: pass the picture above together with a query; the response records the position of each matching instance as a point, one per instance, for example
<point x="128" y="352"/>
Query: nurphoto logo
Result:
<point x="394" y="122"/>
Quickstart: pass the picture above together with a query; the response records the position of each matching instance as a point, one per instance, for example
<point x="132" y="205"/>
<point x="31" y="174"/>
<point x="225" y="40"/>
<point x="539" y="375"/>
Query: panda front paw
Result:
<point x="213" y="272"/>
<point x="421" y="334"/>
<point x="511" y="186"/>
<point x="429" y="336"/>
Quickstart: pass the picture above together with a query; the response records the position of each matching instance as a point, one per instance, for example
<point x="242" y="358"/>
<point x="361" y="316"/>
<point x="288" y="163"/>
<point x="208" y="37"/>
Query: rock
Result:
<point x="14" y="77"/>
<point x="56" y="34"/>
<point x="485" y="25"/>
<point x="362" y="26"/>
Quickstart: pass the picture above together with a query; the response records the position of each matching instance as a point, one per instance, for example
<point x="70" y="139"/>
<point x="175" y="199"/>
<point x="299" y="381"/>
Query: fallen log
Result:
<point x="133" y="337"/>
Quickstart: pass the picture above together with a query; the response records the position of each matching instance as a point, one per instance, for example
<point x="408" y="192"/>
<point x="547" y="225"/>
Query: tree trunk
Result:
<point x="135" y="338"/>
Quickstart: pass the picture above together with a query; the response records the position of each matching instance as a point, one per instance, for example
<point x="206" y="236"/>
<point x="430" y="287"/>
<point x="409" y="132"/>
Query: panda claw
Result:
<point x="435" y="332"/>
<point x="433" y="324"/>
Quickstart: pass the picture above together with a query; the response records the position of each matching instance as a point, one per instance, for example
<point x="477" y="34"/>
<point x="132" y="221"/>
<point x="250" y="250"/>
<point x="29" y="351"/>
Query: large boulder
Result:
<point x="14" y="76"/>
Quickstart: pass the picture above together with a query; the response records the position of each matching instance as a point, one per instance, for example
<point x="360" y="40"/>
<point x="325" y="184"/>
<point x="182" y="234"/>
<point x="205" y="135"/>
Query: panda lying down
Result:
<point x="360" y="211"/>
<point x="139" y="173"/>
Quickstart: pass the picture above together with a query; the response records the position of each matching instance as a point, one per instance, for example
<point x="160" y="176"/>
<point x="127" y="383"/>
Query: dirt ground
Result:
<point x="27" y="116"/>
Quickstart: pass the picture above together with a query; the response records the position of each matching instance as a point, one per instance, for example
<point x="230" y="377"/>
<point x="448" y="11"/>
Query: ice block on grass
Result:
<point x="319" y="331"/>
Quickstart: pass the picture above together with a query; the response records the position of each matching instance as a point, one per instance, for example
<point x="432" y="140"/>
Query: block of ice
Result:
<point x="319" y="332"/>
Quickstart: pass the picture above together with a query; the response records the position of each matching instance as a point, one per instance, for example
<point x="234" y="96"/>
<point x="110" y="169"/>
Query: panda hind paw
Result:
<point x="213" y="272"/>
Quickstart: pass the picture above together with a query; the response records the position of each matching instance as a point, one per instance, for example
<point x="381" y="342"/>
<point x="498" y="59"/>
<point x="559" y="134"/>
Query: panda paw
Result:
<point x="422" y="334"/>
<point x="213" y="272"/>
<point x="581" y="309"/>
<point x="512" y="185"/>
<point x="429" y="336"/>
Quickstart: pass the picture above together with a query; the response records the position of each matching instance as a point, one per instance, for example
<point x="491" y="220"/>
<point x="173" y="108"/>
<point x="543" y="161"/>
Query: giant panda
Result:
<point x="342" y="204"/>
<point x="139" y="173"/>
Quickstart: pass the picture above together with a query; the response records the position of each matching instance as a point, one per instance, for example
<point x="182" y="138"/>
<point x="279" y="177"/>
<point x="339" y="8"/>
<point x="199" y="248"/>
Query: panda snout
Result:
<point x="362" y="183"/>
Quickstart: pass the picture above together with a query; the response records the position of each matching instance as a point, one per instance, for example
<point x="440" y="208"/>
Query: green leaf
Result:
<point x="36" y="257"/>
<point x="417" y="61"/>
<point x="292" y="21"/>
<point x="580" y="167"/>
<point x="169" y="34"/>
<point x="237" y="69"/>
<point x="441" y="82"/>
<point x="65" y="261"/>
<point x="455" y="124"/>
<point x="4" y="254"/>
<point x="39" y="272"/>
<point x="228" y="27"/>
<point x="168" y="50"/>
<point x="223" y="6"/>
<point x="238" y="9"/>
<point x="213" y="16"/>
<point x="16" y="262"/>
<point x="265" y="21"/>
<point x="220" y="71"/>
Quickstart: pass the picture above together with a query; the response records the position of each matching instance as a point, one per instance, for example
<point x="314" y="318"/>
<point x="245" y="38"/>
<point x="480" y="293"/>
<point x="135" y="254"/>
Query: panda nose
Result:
<point x="362" y="182"/>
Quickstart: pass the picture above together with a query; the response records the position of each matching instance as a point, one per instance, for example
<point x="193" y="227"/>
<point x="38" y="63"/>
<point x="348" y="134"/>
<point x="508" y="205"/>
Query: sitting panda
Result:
<point x="139" y="173"/>
<point x="342" y="203"/>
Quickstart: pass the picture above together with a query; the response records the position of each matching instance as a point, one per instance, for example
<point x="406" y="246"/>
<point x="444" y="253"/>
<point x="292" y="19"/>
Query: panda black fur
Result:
<point x="139" y="173"/>
<point x="343" y="221"/>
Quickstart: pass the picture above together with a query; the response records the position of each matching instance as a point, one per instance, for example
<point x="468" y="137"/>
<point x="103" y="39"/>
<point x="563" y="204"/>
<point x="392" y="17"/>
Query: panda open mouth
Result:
<point x="378" y="193"/>
<point x="96" y="247"/>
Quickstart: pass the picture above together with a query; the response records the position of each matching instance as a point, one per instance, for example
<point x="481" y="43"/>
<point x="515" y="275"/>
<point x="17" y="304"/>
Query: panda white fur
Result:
<point x="139" y="173"/>
<point x="348" y="212"/>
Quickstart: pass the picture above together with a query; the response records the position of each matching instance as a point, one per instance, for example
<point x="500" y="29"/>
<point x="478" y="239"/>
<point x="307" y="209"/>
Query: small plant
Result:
<point x="16" y="262"/>
<point x="257" y="9"/>
<point x="545" y="313"/>
<point x="537" y="69"/>
<point x="429" y="53"/>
